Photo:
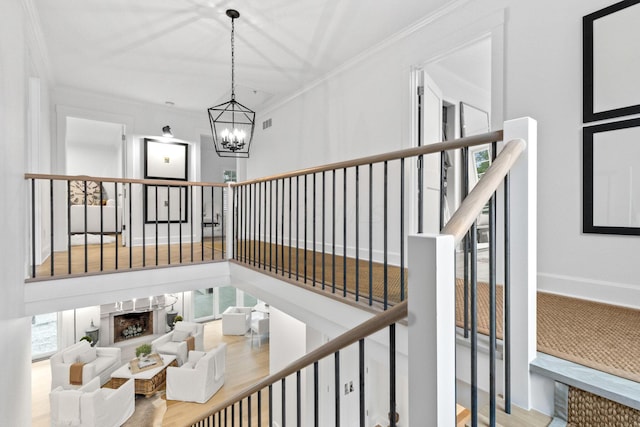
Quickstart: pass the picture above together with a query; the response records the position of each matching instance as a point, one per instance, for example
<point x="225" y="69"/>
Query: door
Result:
<point x="429" y="132"/>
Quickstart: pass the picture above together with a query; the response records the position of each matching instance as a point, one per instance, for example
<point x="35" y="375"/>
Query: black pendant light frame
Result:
<point x="232" y="114"/>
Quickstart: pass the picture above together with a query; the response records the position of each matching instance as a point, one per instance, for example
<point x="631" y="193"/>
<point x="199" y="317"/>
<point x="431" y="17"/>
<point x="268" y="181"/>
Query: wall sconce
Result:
<point x="166" y="131"/>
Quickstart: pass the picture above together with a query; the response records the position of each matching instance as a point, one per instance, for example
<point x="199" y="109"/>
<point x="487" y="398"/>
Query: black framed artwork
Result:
<point x="165" y="204"/>
<point x="166" y="160"/>
<point x="611" y="62"/>
<point x="611" y="178"/>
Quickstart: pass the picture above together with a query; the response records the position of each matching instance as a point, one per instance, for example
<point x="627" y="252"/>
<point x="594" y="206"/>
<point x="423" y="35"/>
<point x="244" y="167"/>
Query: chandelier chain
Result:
<point x="233" y="88"/>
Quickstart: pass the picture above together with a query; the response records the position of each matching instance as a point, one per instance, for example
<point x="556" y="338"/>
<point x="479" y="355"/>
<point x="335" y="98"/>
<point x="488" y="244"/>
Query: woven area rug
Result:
<point x="601" y="336"/>
<point x="92" y="239"/>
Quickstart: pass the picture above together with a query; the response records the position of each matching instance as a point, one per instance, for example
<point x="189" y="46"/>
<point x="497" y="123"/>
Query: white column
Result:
<point x="523" y="259"/>
<point x="15" y="340"/>
<point x="229" y="222"/>
<point x="432" y="335"/>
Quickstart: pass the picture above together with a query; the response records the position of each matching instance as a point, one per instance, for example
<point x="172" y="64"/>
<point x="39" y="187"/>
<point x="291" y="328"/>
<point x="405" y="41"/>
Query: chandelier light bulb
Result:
<point x="233" y="140"/>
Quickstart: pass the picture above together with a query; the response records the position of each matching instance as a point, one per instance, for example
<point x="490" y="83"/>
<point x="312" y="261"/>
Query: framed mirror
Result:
<point x="474" y="121"/>
<point x="611" y="62"/>
<point x="611" y="178"/>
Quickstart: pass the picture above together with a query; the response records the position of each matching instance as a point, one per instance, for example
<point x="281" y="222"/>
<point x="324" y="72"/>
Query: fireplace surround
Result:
<point x="115" y="319"/>
<point x="132" y="325"/>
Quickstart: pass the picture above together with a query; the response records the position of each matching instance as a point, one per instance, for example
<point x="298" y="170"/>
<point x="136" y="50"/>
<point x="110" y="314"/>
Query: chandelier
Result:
<point x="231" y="122"/>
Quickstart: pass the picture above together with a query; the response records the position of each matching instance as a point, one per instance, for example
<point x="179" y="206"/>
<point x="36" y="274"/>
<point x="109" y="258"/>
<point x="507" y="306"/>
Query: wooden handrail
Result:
<point x="472" y="205"/>
<point x="469" y="141"/>
<point x="123" y="180"/>
<point x="376" y="323"/>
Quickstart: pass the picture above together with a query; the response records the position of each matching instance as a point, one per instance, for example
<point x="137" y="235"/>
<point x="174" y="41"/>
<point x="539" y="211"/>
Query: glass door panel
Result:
<point x="249" y="300"/>
<point x="203" y="300"/>
<point x="227" y="298"/>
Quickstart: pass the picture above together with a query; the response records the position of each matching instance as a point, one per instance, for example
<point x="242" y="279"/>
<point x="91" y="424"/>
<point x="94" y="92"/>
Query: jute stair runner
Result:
<point x="586" y="409"/>
<point x="596" y="335"/>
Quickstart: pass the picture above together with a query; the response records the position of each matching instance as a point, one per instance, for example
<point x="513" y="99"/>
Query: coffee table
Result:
<point x="147" y="382"/>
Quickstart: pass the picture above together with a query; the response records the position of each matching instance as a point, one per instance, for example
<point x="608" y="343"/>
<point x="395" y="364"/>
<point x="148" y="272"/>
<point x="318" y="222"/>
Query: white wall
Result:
<point x="287" y="342"/>
<point x="591" y="266"/>
<point x="365" y="108"/>
<point x="18" y="61"/>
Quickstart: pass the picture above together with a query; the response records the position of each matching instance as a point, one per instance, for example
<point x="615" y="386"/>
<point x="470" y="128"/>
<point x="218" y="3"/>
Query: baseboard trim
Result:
<point x="622" y="294"/>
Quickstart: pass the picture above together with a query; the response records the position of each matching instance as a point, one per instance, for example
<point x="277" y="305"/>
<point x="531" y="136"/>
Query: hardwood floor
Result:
<point x="108" y="260"/>
<point x="244" y="366"/>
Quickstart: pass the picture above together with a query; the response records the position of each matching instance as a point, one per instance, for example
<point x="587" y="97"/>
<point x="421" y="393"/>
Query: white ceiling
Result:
<point x="179" y="50"/>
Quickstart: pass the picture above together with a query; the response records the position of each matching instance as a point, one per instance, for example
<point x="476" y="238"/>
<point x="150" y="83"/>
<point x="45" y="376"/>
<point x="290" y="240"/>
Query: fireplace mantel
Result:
<point x="156" y="324"/>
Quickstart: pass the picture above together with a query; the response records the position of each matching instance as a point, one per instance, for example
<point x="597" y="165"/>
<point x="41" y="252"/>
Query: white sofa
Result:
<point x="99" y="362"/>
<point x="93" y="218"/>
<point x="236" y="320"/>
<point x="174" y="342"/>
<point x="199" y="378"/>
<point x="92" y="406"/>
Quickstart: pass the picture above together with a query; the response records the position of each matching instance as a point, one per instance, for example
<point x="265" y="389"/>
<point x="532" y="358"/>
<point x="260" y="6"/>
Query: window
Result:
<point x="44" y="335"/>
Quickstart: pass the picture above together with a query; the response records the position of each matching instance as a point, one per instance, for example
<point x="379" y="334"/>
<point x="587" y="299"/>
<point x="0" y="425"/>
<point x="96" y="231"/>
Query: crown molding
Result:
<point x="428" y="19"/>
<point x="36" y="41"/>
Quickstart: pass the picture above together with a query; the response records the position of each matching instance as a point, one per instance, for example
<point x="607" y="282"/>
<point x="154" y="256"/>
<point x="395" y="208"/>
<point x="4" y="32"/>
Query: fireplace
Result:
<point x="132" y="325"/>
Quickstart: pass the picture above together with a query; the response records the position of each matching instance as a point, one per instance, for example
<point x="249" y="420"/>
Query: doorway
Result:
<point x="97" y="148"/>
<point x="92" y="143"/>
<point x="442" y="88"/>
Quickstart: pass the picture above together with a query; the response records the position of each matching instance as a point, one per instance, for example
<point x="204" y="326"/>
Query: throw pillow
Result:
<point x="70" y="355"/>
<point x="187" y="327"/>
<point x="179" y="336"/>
<point x="87" y="356"/>
<point x="202" y="362"/>
<point x="195" y="356"/>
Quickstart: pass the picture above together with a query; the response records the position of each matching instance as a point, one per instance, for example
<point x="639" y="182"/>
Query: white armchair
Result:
<point x="236" y="320"/>
<point x="199" y="378"/>
<point x="92" y="406"/>
<point x="98" y="362"/>
<point x="174" y="342"/>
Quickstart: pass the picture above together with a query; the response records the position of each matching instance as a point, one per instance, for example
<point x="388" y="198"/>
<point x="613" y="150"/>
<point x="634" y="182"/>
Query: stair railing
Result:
<point x="153" y="223"/>
<point x="319" y="225"/>
<point x="248" y="407"/>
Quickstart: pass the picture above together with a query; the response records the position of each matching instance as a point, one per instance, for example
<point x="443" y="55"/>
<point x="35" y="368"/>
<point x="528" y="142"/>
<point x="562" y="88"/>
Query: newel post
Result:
<point x="523" y="248"/>
<point x="432" y="335"/>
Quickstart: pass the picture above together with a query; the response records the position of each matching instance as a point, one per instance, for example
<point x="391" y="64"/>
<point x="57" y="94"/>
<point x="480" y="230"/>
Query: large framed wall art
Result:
<point x="166" y="161"/>
<point x="611" y="178"/>
<point x="611" y="61"/>
<point x="166" y="203"/>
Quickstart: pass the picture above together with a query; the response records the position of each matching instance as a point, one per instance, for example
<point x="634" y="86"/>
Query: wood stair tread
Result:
<point x="518" y="418"/>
